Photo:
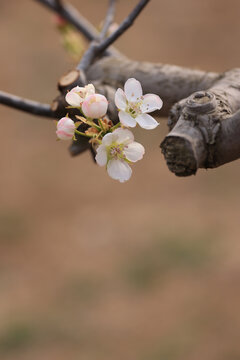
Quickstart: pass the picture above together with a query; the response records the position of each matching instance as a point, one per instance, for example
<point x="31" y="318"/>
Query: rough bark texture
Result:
<point x="204" y="128"/>
<point x="171" y="83"/>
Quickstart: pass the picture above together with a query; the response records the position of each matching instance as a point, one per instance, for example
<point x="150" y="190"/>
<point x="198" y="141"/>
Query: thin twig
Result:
<point x="123" y="26"/>
<point x="29" y="106"/>
<point x="88" y="56"/>
<point x="59" y="3"/>
<point x="70" y="14"/>
<point x="95" y="49"/>
<point x="108" y="19"/>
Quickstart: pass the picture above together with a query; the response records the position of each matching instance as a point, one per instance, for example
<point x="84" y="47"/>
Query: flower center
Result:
<point x="115" y="151"/>
<point x="134" y="108"/>
<point x="82" y="94"/>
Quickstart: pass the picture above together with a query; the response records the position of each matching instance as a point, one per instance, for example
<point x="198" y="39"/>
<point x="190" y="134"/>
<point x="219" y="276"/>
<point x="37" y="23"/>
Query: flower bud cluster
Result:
<point x="114" y="144"/>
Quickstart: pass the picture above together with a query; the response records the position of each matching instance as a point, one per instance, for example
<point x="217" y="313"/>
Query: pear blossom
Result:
<point x="77" y="95"/>
<point x="117" y="150"/>
<point x="134" y="107"/>
<point x="65" y="128"/>
<point x="95" y="106"/>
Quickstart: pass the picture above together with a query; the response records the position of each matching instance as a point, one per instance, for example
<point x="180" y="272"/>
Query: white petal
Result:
<point x="147" y="121"/>
<point x="134" y="151"/>
<point x="119" y="170"/>
<point x="77" y="89"/>
<point x="120" y="99"/>
<point x="101" y="156"/>
<point x="108" y="139"/>
<point x="126" y="119"/>
<point x="133" y="90"/>
<point x="151" y="103"/>
<point x="123" y="136"/>
<point x="90" y="89"/>
<point x="73" y="99"/>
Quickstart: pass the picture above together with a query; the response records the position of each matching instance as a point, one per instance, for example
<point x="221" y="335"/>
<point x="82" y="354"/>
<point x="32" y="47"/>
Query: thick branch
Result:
<point x="29" y="106"/>
<point x="206" y="129"/>
<point x="229" y="140"/>
<point x="172" y="83"/>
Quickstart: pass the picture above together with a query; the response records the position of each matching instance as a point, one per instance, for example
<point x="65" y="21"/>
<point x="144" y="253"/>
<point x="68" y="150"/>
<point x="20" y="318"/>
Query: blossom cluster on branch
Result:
<point x="114" y="144"/>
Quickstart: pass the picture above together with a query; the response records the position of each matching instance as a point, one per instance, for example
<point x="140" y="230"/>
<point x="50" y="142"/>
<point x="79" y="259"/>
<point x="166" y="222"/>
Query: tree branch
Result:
<point x="228" y="146"/>
<point x="70" y="14"/>
<point x="97" y="48"/>
<point x="29" y="106"/>
<point x="123" y="27"/>
<point x="59" y="4"/>
<point x="172" y="83"/>
<point x="108" y="19"/>
<point x="205" y="130"/>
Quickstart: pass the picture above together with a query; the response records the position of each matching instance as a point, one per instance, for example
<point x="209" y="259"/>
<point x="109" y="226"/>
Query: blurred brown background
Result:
<point x="92" y="269"/>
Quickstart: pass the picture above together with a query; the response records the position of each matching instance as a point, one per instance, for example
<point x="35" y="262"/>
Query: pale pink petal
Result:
<point x="101" y="156"/>
<point x="134" y="151"/>
<point x="120" y="99"/>
<point x="151" y="103"/>
<point x="108" y="139"/>
<point x="73" y="99"/>
<point x="123" y="136"/>
<point x="66" y="124"/>
<point x="62" y="135"/>
<point x="95" y="106"/>
<point x="65" y="128"/>
<point x="126" y="119"/>
<point x="133" y="90"/>
<point x="147" y="121"/>
<point x="119" y="170"/>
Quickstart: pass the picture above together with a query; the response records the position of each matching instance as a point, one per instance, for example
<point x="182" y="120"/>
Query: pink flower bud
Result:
<point x="65" y="128"/>
<point x="95" y="106"/>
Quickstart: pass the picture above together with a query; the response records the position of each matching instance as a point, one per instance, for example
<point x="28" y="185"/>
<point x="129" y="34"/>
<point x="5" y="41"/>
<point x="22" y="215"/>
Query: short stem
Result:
<point x="82" y="134"/>
<point x="115" y="126"/>
<point x="92" y="123"/>
<point x="100" y="123"/>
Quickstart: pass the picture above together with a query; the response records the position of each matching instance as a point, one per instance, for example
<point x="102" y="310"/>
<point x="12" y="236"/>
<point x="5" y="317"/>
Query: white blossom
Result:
<point x="134" y="107"/>
<point x="117" y="151"/>
<point x="77" y="95"/>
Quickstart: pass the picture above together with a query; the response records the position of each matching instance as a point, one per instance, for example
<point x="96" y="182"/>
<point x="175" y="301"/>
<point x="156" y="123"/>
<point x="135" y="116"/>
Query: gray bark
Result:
<point x="171" y="83"/>
<point x="205" y="128"/>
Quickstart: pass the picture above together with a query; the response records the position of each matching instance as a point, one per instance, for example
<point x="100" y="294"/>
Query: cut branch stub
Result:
<point x="201" y="102"/>
<point x="185" y="147"/>
<point x="70" y="80"/>
<point x="205" y="127"/>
